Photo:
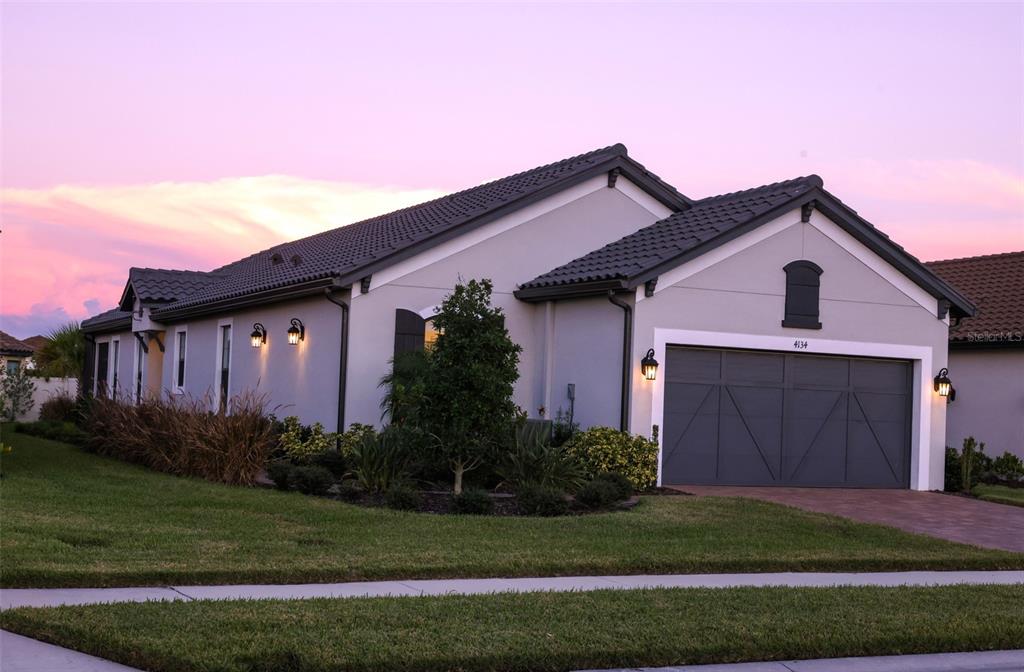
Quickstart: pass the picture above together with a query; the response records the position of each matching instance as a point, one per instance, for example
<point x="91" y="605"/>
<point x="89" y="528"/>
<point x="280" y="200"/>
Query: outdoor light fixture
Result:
<point x="649" y="365"/>
<point x="944" y="386"/>
<point x="296" y="332"/>
<point x="258" y="336"/>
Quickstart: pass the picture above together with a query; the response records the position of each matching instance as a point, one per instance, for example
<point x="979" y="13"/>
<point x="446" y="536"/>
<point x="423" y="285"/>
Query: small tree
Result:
<point x="63" y="354"/>
<point x="473" y="367"/>
<point x="16" y="388"/>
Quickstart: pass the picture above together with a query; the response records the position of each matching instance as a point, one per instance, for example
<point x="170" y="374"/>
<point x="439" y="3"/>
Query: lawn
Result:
<point x="1000" y="494"/>
<point x="536" y="631"/>
<point x="70" y="518"/>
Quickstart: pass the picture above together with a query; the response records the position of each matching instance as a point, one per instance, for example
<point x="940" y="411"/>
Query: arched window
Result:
<point x="803" y="280"/>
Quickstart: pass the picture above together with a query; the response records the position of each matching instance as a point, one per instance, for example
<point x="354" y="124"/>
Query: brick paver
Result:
<point x="961" y="519"/>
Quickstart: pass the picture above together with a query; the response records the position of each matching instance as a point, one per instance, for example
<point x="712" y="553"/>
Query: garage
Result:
<point x="746" y="417"/>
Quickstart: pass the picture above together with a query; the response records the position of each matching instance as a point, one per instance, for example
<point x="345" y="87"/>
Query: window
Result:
<point x="224" y="373"/>
<point x="430" y="334"/>
<point x="409" y="331"/>
<point x="116" y="354"/>
<point x="179" y="363"/>
<point x="140" y="360"/>
<point x="803" y="281"/>
<point x="102" y="368"/>
<point x="13" y="365"/>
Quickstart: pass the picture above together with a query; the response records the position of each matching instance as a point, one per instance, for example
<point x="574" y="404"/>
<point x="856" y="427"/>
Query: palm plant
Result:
<point x="63" y="354"/>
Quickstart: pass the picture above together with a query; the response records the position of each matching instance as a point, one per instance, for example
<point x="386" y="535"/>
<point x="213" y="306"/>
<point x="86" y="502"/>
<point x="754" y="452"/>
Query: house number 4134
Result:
<point x="799" y="345"/>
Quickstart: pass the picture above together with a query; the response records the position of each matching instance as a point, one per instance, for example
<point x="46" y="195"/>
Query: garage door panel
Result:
<point x="778" y="418"/>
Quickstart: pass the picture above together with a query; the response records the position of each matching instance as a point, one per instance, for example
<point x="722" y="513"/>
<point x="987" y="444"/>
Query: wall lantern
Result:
<point x="649" y="365"/>
<point x="944" y="386"/>
<point x="296" y="332"/>
<point x="258" y="336"/>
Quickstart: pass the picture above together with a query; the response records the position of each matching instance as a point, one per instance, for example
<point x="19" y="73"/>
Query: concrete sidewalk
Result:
<point x="23" y="654"/>
<point x="984" y="661"/>
<point x="49" y="597"/>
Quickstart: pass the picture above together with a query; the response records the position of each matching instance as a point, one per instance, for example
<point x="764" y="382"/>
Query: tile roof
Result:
<point x="164" y="285"/>
<point x="350" y="249"/>
<point x="111" y="319"/>
<point x="36" y="342"/>
<point x="662" y="241"/>
<point x="995" y="284"/>
<point x="9" y="345"/>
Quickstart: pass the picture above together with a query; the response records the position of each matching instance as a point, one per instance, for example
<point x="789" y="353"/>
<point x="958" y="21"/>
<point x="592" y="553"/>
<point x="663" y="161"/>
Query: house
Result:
<point x="795" y="343"/>
<point x="14" y="354"/>
<point x="986" y="352"/>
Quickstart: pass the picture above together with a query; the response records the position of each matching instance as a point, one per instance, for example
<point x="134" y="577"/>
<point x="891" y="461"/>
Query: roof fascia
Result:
<point x="310" y="287"/>
<point x="573" y="291"/>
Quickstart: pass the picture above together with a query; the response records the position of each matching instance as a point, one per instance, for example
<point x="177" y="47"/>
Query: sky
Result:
<point x="188" y="135"/>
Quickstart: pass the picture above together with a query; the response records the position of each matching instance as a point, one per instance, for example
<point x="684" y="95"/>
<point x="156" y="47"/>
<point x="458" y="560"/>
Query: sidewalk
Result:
<point x="23" y="654"/>
<point x="50" y="597"/>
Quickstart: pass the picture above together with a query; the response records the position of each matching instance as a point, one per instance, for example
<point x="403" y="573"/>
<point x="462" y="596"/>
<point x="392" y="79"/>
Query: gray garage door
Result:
<point x="763" y="418"/>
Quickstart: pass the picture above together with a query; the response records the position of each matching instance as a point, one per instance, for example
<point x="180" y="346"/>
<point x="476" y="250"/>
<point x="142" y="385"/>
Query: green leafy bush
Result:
<point x="301" y="442"/>
<point x="622" y="485"/>
<point x="402" y="498"/>
<point x="65" y="432"/>
<point x="598" y="494"/>
<point x="16" y="388"/>
<point x="473" y="501"/>
<point x="969" y="470"/>
<point x="532" y="461"/>
<point x="380" y="461"/>
<point x="351" y="438"/>
<point x="310" y="480"/>
<point x="280" y="472"/>
<point x="331" y="460"/>
<point x="538" y="500"/>
<point x="59" y="408"/>
<point x="603" y="450"/>
<point x="952" y="479"/>
<point x="1008" y="467"/>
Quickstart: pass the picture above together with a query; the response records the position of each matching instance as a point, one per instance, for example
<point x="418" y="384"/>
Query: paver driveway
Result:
<point x="962" y="519"/>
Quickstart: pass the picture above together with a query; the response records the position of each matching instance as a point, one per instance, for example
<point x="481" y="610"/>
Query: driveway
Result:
<point x="960" y="519"/>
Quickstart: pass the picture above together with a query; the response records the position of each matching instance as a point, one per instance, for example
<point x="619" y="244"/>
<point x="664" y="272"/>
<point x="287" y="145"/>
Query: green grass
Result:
<point x="70" y="518"/>
<point x="537" y="631"/>
<point x="1000" y="494"/>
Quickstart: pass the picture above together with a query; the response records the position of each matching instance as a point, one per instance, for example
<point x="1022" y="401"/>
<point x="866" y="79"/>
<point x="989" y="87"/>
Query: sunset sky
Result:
<point x="189" y="135"/>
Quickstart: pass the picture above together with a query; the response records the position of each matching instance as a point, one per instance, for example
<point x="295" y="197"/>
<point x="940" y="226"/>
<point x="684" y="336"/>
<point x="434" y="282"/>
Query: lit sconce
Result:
<point x="649" y="365"/>
<point x="944" y="386"/>
<point x="258" y="336"/>
<point x="296" y="332"/>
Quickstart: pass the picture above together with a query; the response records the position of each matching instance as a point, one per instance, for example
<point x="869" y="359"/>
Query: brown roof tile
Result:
<point x="995" y="284"/>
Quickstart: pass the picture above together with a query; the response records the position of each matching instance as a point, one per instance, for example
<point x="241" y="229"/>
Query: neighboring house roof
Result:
<point x="709" y="222"/>
<point x="112" y="320"/>
<point x="995" y="284"/>
<point x="36" y="342"/>
<point x="159" y="285"/>
<point x="12" y="347"/>
<point x="347" y="254"/>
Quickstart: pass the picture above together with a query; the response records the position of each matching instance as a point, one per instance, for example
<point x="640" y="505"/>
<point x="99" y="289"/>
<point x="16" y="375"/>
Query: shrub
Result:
<point x="348" y="440"/>
<point x="179" y="435"/>
<point x="968" y="467"/>
<point x="404" y="386"/>
<point x="563" y="429"/>
<point x="952" y="479"/>
<point x="350" y="491"/>
<point x="59" y="408"/>
<point x="331" y="460"/>
<point x="598" y="494"/>
<point x="623" y="486"/>
<point x="603" y="449"/>
<point x="310" y="480"/>
<point x="402" y="498"/>
<point x="531" y="461"/>
<point x="473" y="367"/>
<point x="473" y="501"/>
<point x="538" y="500"/>
<point x="280" y="472"/>
<point x="54" y="430"/>
<point x="380" y="461"/>
<point x="1008" y="467"/>
<point x="16" y="388"/>
<point x="301" y="442"/>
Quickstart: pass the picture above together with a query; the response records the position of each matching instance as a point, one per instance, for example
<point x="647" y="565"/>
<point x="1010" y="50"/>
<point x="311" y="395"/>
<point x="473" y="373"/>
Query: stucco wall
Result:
<point x="990" y="399"/>
<point x="508" y="259"/>
<point x="744" y="293"/>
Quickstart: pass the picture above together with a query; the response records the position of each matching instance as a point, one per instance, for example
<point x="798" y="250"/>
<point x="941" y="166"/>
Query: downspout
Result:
<point x="627" y="347"/>
<point x="343" y="362"/>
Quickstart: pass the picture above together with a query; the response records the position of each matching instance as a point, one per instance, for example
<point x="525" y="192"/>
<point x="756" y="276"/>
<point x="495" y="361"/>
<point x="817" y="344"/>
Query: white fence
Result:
<point x="46" y="388"/>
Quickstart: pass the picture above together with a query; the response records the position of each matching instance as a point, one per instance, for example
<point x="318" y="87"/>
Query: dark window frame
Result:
<point x="803" y="295"/>
<point x="181" y="343"/>
<point x="225" y="366"/>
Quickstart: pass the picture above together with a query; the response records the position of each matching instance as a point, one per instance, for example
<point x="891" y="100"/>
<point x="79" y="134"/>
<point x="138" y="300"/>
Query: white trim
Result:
<point x="218" y="343"/>
<point x="428" y="313"/>
<point x="96" y="364"/>
<point x="889" y="273"/>
<point x="642" y="198"/>
<point x="175" y="387"/>
<point x="921" y="356"/>
<point x="488" y="230"/>
<point x="724" y="251"/>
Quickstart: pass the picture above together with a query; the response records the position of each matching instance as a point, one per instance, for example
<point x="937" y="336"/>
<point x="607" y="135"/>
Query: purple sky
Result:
<point x="191" y="134"/>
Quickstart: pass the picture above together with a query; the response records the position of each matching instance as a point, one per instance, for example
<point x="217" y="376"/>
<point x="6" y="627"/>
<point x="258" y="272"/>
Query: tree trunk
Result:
<point x="458" y="468"/>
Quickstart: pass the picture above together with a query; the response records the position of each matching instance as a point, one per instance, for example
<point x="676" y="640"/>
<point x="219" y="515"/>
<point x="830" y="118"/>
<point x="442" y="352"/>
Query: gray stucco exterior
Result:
<point x="990" y="399"/>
